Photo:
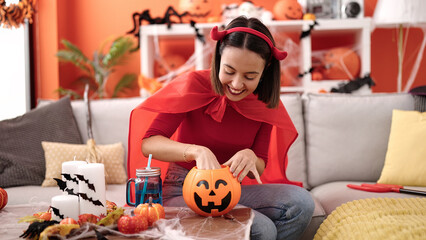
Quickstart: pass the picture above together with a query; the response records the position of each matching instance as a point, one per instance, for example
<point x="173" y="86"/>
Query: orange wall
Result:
<point x="46" y="65"/>
<point x="88" y="23"/>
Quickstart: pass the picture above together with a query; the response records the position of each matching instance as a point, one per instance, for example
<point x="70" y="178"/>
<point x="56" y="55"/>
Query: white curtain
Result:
<point x="14" y="72"/>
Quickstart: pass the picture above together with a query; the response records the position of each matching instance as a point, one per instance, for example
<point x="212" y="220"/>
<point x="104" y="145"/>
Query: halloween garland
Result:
<point x="300" y="75"/>
<point x="308" y="32"/>
<point x="197" y="33"/>
<point x="15" y="14"/>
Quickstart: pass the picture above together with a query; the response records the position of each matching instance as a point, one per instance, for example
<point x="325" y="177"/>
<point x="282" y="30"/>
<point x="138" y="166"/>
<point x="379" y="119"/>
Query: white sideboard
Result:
<point x="359" y="29"/>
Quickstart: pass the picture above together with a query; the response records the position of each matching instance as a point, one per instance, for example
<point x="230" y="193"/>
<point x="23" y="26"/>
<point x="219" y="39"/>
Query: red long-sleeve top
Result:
<point x="234" y="133"/>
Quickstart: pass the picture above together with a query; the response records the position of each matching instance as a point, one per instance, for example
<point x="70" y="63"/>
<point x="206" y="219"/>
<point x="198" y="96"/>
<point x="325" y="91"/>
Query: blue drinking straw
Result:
<point x="146" y="179"/>
<point x="149" y="162"/>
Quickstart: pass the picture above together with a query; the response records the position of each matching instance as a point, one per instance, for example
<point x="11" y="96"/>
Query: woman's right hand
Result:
<point x="204" y="157"/>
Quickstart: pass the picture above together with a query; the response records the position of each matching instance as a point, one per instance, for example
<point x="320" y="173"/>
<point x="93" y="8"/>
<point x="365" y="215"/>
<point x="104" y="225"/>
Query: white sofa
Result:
<point x="342" y="139"/>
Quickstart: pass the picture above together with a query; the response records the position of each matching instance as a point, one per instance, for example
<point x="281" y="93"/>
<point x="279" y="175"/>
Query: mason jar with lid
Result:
<point x="148" y="183"/>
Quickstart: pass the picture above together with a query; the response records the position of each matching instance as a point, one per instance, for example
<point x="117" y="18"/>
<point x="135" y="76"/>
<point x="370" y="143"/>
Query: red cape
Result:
<point x="194" y="90"/>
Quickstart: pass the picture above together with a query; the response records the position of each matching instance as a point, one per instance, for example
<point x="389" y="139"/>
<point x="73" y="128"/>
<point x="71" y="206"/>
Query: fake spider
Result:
<point x="35" y="228"/>
<point x="146" y="16"/>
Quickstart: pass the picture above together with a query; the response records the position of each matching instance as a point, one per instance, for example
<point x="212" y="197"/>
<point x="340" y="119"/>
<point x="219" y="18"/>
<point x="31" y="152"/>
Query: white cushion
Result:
<point x="296" y="169"/>
<point x="347" y="135"/>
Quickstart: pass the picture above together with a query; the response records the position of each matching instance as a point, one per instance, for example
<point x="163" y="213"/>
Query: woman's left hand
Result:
<point x="242" y="163"/>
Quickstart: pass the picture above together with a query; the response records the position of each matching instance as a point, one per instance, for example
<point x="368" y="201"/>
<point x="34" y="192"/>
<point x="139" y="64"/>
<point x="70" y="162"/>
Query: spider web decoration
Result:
<point x="180" y="223"/>
<point x="183" y="224"/>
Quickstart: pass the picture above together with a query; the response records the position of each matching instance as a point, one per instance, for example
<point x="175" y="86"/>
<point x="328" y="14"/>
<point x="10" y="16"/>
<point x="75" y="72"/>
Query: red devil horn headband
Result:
<point x="219" y="35"/>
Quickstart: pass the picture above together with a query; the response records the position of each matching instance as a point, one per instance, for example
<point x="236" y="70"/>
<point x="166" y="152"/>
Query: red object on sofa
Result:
<point x="3" y="198"/>
<point x="378" y="187"/>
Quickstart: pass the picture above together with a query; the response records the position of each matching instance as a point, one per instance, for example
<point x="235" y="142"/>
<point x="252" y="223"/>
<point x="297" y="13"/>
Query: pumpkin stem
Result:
<point x="150" y="201"/>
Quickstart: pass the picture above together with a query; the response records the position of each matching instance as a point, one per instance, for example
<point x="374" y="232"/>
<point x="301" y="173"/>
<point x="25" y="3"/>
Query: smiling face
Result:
<point x="208" y="198"/>
<point x="287" y="10"/>
<point x="198" y="9"/>
<point x="240" y="72"/>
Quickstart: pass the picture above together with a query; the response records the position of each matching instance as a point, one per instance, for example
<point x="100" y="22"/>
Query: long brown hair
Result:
<point x="268" y="89"/>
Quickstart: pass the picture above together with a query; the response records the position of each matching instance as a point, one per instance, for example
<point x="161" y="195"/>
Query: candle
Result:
<point x="69" y="169"/>
<point x="92" y="188"/>
<point x="65" y="206"/>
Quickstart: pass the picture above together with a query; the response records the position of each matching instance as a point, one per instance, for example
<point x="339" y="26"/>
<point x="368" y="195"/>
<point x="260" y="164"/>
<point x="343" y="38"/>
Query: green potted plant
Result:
<point x="97" y="70"/>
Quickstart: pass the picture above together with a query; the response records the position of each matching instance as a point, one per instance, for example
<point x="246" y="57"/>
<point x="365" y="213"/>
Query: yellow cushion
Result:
<point x="57" y="153"/>
<point x="405" y="162"/>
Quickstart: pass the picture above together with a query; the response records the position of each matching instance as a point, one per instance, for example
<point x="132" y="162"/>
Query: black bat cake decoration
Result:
<point x="90" y="185"/>
<point x="95" y="202"/>
<point x="57" y="212"/>
<point x="68" y="177"/>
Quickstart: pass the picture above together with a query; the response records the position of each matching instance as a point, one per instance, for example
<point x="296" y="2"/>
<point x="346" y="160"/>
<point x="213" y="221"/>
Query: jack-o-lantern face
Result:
<point x="287" y="10"/>
<point x="211" y="192"/>
<point x="198" y="10"/>
<point x="341" y="63"/>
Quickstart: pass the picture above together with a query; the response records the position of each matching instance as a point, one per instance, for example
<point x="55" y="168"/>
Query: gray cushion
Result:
<point x="21" y="154"/>
<point x="347" y="135"/>
<point x="110" y="119"/>
<point x="420" y="103"/>
<point x="296" y="169"/>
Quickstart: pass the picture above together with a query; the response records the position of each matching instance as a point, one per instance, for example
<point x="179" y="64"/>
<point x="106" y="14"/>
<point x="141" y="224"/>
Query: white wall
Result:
<point x="14" y="99"/>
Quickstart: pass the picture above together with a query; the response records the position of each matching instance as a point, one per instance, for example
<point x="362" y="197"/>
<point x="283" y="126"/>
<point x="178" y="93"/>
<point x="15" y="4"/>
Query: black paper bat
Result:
<point x="71" y="192"/>
<point x="95" y="202"/>
<point x="68" y="177"/>
<point x="90" y="185"/>
<point x="57" y="212"/>
<point x="354" y="84"/>
<point x="61" y="184"/>
<point x="308" y="32"/>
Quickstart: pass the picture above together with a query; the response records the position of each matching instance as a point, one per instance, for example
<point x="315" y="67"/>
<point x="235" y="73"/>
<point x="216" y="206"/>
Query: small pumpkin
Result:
<point x="68" y="221"/>
<point x="198" y="10"/>
<point x="132" y="224"/>
<point x="44" y="216"/>
<point x="309" y="16"/>
<point x="3" y="198"/>
<point x="152" y="211"/>
<point x="211" y="192"/>
<point x="341" y="63"/>
<point x="287" y="10"/>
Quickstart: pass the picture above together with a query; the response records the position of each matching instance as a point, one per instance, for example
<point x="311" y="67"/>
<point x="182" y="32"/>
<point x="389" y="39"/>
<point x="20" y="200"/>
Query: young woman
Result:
<point x="226" y="116"/>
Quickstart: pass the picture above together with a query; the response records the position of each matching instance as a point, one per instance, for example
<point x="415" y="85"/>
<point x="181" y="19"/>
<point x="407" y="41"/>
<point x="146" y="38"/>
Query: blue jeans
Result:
<point x="281" y="211"/>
